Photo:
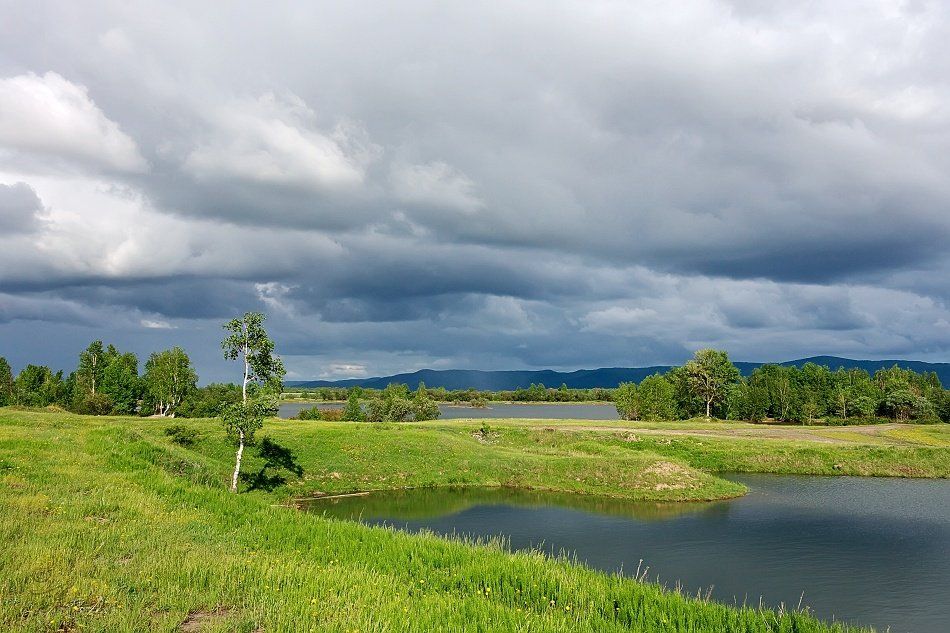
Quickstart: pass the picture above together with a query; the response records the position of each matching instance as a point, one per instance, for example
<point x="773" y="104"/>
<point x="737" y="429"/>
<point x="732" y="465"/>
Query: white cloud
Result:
<point x="274" y="140"/>
<point x="157" y="324"/>
<point x="50" y="116"/>
<point x="115" y="41"/>
<point x="617" y="318"/>
<point x="343" y="370"/>
<point x="435" y="184"/>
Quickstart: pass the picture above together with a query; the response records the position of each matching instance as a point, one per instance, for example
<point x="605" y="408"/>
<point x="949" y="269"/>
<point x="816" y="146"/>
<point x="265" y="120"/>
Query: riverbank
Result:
<point x="111" y="526"/>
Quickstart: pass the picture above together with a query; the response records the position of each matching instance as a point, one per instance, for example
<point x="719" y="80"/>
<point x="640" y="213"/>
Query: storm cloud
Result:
<point x="413" y="184"/>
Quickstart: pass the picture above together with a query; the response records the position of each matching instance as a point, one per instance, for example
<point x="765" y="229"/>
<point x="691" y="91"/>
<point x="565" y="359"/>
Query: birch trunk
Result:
<point x="237" y="461"/>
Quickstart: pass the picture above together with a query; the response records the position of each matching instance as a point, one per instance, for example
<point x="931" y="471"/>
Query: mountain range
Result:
<point x="588" y="378"/>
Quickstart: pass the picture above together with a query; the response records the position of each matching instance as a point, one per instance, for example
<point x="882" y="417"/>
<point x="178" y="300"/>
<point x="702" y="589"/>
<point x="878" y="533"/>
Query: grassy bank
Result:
<point x="110" y="526"/>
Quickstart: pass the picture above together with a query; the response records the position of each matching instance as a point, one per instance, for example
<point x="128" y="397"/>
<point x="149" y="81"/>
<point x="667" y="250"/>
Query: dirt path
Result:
<point x="822" y="435"/>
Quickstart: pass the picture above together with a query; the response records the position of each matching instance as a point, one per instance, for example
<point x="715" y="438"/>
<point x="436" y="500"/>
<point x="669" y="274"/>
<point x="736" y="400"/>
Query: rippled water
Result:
<point x="871" y="551"/>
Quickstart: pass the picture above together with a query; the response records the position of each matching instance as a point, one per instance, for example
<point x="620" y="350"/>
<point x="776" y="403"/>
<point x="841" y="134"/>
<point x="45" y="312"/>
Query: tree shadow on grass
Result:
<point x="278" y="460"/>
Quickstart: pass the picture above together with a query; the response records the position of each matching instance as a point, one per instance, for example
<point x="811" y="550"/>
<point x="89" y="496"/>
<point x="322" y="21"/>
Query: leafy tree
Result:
<point x="38" y="386"/>
<point x="248" y="342"/>
<point x="688" y="404"/>
<point x="377" y="410"/>
<point x="6" y="383"/>
<point x="395" y="390"/>
<point x="655" y="394"/>
<point x="120" y="381"/>
<point x="424" y="407"/>
<point x="399" y="409"/>
<point x="710" y="373"/>
<point x="92" y="364"/>
<point x="353" y="412"/>
<point x="169" y="378"/>
<point x="627" y="401"/>
<point x="94" y="404"/>
<point x="208" y="401"/>
<point x="311" y="413"/>
<point x="783" y="388"/>
<point x="816" y="384"/>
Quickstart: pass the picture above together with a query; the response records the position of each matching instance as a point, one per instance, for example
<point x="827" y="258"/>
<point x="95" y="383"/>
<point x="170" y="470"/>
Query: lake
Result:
<point x="872" y="551"/>
<point x="605" y="411"/>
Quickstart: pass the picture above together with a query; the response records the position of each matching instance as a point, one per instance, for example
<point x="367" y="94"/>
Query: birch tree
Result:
<point x="169" y="377"/>
<point x="710" y="373"/>
<point x="263" y="372"/>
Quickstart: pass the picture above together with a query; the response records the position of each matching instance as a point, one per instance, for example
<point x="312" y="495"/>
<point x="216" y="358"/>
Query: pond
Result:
<point x="606" y="411"/>
<point x="871" y="551"/>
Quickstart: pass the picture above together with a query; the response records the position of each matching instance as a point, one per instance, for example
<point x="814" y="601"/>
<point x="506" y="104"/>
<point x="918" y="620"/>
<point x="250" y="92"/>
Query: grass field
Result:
<point x="108" y="525"/>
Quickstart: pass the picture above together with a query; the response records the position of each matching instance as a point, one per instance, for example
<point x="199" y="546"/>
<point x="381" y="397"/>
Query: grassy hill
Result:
<point x="110" y="525"/>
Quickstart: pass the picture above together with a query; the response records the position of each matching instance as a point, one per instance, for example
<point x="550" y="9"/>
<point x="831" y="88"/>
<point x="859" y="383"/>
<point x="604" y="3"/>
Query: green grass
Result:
<point x="107" y="525"/>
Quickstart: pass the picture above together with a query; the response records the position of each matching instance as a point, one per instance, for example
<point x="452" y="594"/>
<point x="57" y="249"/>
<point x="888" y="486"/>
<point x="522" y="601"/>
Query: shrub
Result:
<point x="95" y="404"/>
<point x="182" y="435"/>
<point x="331" y="415"/>
<point x="313" y="413"/>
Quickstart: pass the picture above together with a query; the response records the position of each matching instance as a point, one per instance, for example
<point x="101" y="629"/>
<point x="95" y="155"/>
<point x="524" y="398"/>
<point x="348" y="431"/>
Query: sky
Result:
<point x="508" y="185"/>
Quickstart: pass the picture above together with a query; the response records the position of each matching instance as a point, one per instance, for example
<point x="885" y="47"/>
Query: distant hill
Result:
<point x="588" y="378"/>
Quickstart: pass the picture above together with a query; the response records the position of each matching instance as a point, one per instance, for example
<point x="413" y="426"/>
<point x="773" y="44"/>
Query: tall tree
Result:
<point x="120" y="380"/>
<point x="627" y="401"/>
<point x="710" y="374"/>
<point x="247" y="341"/>
<point x="656" y="398"/>
<point x="91" y="365"/>
<point x="169" y="378"/>
<point x="353" y="412"/>
<point x="423" y="406"/>
<point x="6" y="383"/>
<point x="38" y="386"/>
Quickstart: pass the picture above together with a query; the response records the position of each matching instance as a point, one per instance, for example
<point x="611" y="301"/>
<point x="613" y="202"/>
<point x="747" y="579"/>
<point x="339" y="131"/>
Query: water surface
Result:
<point x="606" y="411"/>
<point x="870" y="551"/>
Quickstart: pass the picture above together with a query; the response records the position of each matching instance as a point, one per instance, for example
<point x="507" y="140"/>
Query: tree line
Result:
<point x="710" y="385"/>
<point x="107" y="381"/>
<point x="534" y="393"/>
<point x="395" y="403"/>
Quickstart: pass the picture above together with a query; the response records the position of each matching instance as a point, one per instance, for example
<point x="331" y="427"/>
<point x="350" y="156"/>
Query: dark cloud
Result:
<point x="483" y="185"/>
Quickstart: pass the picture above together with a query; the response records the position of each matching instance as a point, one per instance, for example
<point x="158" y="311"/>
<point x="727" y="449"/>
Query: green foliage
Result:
<point x="399" y="409"/>
<point x="243" y="419"/>
<point x="376" y="411"/>
<point x="424" y="407"/>
<point x="182" y="435"/>
<point x="656" y="397"/>
<point x="310" y="413"/>
<point x="331" y="415"/>
<point x="627" y="401"/>
<point x="353" y="412"/>
<point x="169" y="378"/>
<point x="94" y="404"/>
<point x="688" y="404"/>
<point x="652" y="399"/>
<point x="6" y="383"/>
<point x="248" y="341"/>
<point x="92" y="364"/>
<point x="710" y="374"/>
<point x="393" y="404"/>
<point x="208" y="401"/>
<point x="748" y="400"/>
<point x="38" y="386"/>
<point x="120" y="381"/>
